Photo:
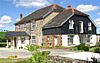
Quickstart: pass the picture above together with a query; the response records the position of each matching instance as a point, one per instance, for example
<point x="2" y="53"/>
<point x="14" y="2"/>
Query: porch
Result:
<point x="17" y="39"/>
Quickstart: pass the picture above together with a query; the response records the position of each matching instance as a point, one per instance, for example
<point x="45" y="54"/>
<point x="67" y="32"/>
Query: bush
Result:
<point x="97" y="50"/>
<point x="82" y="47"/>
<point x="3" y="45"/>
<point x="97" y="44"/>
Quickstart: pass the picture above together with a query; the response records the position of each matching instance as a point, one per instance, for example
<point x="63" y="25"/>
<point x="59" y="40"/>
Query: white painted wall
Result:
<point x="19" y="44"/>
<point x="76" y="40"/>
<point x="55" y="41"/>
<point x="93" y="40"/>
<point x="64" y="40"/>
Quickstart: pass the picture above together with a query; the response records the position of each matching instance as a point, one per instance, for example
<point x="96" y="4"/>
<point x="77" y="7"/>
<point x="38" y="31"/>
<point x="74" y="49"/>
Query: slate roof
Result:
<point x="61" y="18"/>
<point x="41" y="13"/>
<point x="16" y="33"/>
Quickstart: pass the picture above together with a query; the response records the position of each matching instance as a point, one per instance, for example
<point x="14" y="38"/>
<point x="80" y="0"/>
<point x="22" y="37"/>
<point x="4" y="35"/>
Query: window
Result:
<point x="33" y="24"/>
<point x="71" y="23"/>
<point x="70" y="39"/>
<point x="33" y="39"/>
<point x="23" y="40"/>
<point x="89" y="38"/>
<point x="89" y="26"/>
<point x="81" y="26"/>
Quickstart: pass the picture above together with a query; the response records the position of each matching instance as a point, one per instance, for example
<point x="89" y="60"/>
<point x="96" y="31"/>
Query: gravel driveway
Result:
<point x="20" y="53"/>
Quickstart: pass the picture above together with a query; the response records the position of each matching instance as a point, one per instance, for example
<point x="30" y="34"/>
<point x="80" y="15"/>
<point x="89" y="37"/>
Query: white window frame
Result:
<point x="33" y="39"/>
<point x="70" y="39"/>
<point x="81" y="22"/>
<point x="89" y="26"/>
<point x="71" y="24"/>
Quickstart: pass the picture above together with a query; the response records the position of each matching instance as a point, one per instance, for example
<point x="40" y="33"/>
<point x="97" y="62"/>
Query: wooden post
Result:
<point x="60" y="40"/>
<point x="52" y="40"/>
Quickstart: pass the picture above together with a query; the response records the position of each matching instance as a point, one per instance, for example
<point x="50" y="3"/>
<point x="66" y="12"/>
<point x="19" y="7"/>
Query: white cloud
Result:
<point x="31" y="3"/>
<point x="97" y="22"/>
<point x="1" y="25"/>
<point x="5" y="19"/>
<point x="98" y="13"/>
<point x="87" y="8"/>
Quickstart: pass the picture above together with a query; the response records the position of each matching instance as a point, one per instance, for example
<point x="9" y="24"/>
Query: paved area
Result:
<point x="20" y="53"/>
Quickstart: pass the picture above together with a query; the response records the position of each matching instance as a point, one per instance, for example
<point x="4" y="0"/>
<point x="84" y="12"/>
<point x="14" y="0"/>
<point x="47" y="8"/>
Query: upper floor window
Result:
<point x="71" y="23"/>
<point x="81" y="26"/>
<point x="33" y="24"/>
<point x="89" y="26"/>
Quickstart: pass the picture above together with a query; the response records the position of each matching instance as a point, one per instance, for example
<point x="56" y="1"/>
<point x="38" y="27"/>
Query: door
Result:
<point x="15" y="44"/>
<point x="55" y="40"/>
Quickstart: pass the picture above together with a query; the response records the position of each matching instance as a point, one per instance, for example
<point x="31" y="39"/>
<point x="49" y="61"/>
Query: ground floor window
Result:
<point x="70" y="39"/>
<point x="33" y="39"/>
<point x="88" y="38"/>
<point x="23" y="40"/>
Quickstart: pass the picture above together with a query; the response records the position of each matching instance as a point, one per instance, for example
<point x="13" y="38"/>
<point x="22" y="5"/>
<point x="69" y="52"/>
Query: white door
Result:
<point x="55" y="41"/>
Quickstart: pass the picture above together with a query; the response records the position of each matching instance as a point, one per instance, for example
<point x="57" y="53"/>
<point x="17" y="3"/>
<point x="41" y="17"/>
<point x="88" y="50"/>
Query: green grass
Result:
<point x="7" y="60"/>
<point x="3" y="43"/>
<point x="2" y="36"/>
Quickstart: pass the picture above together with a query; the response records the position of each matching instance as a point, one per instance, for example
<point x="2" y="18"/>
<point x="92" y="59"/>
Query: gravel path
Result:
<point x="20" y="53"/>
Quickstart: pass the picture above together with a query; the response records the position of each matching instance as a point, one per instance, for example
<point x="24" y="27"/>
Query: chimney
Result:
<point x="21" y="16"/>
<point x="69" y="6"/>
<point x="54" y="6"/>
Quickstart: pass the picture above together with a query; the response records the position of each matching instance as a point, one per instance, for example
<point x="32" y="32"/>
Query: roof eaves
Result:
<point x="48" y="13"/>
<point x="67" y="19"/>
<point x="92" y="21"/>
<point x="61" y="23"/>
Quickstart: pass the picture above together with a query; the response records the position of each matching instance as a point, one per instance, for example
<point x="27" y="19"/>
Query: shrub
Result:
<point x="97" y="50"/>
<point x="38" y="56"/>
<point x="82" y="47"/>
<point x="97" y="44"/>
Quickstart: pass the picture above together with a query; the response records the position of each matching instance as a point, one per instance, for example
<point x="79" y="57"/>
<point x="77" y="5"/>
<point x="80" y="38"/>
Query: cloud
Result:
<point x="31" y="3"/>
<point x="98" y="13"/>
<point x="87" y="8"/>
<point x="1" y="25"/>
<point x="97" y="22"/>
<point x="5" y="19"/>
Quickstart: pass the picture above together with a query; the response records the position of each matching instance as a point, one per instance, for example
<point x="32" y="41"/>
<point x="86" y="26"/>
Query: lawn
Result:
<point x="7" y="60"/>
<point x="2" y="36"/>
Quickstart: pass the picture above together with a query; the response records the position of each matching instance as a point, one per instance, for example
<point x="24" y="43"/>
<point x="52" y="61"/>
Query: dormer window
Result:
<point x="89" y="26"/>
<point x="71" y="23"/>
<point x="81" y="26"/>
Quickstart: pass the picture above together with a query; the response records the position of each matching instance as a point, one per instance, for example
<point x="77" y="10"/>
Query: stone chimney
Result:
<point x="21" y="16"/>
<point x="69" y="6"/>
<point x="54" y="6"/>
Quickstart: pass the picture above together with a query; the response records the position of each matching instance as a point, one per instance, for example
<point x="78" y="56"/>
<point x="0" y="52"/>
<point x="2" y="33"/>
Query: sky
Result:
<point x="11" y="9"/>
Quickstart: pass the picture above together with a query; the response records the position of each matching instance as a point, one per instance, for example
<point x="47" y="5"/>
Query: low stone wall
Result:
<point x="58" y="59"/>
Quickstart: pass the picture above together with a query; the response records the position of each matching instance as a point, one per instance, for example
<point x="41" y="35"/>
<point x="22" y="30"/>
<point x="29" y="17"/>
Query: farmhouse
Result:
<point x="53" y="26"/>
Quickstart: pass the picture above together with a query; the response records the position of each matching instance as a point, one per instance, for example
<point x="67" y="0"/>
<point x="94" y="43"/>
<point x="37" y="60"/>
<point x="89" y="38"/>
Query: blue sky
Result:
<point x="10" y="9"/>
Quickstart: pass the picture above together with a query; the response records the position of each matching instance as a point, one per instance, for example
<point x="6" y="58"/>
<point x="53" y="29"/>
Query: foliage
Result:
<point x="98" y="44"/>
<point x="95" y="49"/>
<point x="38" y="56"/>
<point x="32" y="47"/>
<point x="2" y="36"/>
<point x="83" y="47"/>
